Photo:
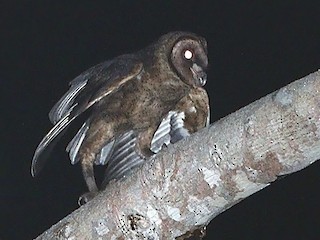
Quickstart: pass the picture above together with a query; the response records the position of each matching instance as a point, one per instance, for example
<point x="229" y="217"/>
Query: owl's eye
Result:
<point x="188" y="54"/>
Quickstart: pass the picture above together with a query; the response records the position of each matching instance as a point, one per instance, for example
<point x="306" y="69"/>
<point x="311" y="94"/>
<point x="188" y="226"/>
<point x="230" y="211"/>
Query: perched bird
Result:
<point x="139" y="102"/>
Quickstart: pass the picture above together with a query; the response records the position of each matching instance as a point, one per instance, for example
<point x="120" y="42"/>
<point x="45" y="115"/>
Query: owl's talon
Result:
<point x="86" y="197"/>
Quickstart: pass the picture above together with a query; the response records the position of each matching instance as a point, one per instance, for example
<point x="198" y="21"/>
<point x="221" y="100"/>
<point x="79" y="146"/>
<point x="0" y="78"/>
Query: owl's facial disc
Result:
<point x="190" y="60"/>
<point x="199" y="75"/>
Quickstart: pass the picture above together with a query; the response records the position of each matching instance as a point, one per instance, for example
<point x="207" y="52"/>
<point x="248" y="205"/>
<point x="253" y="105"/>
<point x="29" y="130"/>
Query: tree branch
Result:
<point x="191" y="182"/>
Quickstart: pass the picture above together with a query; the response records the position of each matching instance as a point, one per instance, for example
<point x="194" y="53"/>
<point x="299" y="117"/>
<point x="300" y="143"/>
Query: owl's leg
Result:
<point x="88" y="174"/>
<point x="100" y="133"/>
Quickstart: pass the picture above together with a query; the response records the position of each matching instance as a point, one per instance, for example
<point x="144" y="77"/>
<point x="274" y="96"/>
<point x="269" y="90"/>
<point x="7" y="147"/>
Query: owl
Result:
<point x="137" y="104"/>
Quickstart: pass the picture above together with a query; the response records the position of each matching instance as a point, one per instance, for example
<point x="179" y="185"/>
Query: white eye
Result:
<point x="188" y="54"/>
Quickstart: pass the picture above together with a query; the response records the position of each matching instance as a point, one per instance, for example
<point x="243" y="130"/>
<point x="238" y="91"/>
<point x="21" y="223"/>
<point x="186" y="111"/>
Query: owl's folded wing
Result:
<point x="85" y="90"/>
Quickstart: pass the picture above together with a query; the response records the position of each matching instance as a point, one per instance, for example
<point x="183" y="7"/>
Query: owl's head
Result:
<point x="188" y="57"/>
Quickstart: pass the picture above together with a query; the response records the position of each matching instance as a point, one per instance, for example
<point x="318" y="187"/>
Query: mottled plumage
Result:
<point x="139" y="102"/>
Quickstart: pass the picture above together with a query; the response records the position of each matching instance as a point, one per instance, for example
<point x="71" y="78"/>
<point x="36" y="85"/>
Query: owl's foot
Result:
<point x="86" y="197"/>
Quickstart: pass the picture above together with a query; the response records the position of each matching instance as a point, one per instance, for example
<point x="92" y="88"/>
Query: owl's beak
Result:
<point x="199" y="75"/>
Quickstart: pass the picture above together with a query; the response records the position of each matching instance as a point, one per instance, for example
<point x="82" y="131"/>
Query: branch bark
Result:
<point x="191" y="182"/>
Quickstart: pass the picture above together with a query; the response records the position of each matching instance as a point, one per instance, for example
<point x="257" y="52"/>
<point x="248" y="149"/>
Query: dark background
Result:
<point x="254" y="49"/>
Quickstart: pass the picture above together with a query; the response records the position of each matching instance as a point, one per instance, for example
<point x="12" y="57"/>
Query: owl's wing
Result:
<point x="121" y="157"/>
<point x="94" y="84"/>
<point x="191" y="114"/>
<point x="85" y="90"/>
<point x="120" y="154"/>
<point x="170" y="130"/>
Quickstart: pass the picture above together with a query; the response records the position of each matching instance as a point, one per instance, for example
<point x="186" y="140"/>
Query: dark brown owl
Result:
<point x="139" y="102"/>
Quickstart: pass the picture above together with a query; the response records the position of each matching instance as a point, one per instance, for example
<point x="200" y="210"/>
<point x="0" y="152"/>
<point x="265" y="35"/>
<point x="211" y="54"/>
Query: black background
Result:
<point x="255" y="47"/>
